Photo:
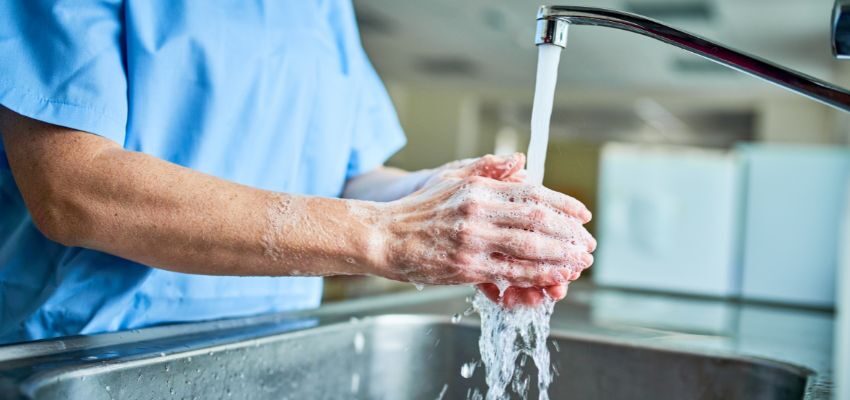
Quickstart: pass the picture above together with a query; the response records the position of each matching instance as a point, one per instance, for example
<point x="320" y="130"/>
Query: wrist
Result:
<point x="370" y="236"/>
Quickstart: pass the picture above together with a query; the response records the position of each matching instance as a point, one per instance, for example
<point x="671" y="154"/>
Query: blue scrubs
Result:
<point x="269" y="93"/>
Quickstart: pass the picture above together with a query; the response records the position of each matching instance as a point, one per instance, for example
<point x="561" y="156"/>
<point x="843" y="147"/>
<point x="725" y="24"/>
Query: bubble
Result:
<point x="277" y="218"/>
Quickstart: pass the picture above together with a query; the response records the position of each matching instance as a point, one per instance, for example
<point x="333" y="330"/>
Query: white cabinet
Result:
<point x="669" y="219"/>
<point x="793" y="210"/>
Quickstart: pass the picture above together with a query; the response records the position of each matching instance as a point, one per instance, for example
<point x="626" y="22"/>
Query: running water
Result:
<point x="541" y="111"/>
<point x="509" y="336"/>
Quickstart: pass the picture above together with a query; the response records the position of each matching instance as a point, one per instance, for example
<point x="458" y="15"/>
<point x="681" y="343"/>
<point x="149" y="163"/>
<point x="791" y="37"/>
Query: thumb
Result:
<point x="496" y="167"/>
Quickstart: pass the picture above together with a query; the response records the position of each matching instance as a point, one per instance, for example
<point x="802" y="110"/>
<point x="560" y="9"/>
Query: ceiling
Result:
<point x="475" y="43"/>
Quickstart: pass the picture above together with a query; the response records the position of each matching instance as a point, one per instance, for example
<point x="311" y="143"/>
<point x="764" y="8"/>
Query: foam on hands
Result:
<point x="278" y="221"/>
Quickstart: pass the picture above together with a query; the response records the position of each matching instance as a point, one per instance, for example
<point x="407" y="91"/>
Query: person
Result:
<point x="168" y="161"/>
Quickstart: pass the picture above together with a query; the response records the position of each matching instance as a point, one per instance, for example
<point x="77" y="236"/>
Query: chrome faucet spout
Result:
<point x="553" y="21"/>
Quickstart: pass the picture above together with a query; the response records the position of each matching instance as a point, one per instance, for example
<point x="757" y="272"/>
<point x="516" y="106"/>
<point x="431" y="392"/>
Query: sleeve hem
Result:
<point x="101" y="121"/>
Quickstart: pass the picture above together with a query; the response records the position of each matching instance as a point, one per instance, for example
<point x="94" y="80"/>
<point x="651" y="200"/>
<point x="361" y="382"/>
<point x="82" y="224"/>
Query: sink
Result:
<point x="379" y="357"/>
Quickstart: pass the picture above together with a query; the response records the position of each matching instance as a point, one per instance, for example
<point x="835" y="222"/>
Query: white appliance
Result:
<point x="669" y="219"/>
<point x="842" y="321"/>
<point x="793" y="207"/>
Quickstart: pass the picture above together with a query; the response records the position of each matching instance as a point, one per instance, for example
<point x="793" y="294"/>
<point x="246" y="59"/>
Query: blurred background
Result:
<point x="702" y="180"/>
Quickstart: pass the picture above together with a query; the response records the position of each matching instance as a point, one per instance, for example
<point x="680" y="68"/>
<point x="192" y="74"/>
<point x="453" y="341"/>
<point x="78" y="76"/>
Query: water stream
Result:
<point x="509" y="337"/>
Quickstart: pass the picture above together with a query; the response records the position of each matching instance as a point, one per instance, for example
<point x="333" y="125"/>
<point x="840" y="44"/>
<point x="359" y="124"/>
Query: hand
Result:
<point x="501" y="168"/>
<point x="463" y="226"/>
<point x="507" y="169"/>
<point x="514" y="296"/>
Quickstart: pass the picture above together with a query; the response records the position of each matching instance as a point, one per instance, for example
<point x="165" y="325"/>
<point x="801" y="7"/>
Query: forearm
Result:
<point x="175" y="218"/>
<point x="145" y="209"/>
<point x="385" y="184"/>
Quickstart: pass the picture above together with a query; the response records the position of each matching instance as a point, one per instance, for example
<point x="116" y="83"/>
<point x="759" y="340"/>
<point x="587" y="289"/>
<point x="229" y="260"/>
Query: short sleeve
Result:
<point x="62" y="62"/>
<point x="377" y="132"/>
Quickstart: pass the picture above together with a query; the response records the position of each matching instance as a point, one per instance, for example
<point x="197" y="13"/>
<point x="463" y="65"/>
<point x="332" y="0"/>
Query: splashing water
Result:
<point x="507" y="334"/>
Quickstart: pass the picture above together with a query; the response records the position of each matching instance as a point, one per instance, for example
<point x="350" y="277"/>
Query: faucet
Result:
<point x="553" y="23"/>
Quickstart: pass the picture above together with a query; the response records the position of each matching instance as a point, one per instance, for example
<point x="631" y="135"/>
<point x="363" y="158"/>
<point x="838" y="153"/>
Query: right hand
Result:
<point x="462" y="228"/>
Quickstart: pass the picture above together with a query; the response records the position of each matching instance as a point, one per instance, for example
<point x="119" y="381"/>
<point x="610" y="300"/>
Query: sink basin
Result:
<point x="384" y="357"/>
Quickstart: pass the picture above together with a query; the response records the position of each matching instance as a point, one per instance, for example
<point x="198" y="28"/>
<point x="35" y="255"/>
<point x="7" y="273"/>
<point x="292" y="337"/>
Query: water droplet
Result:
<point x="456" y="318"/>
<point x="467" y="369"/>
<point x="419" y="286"/>
<point x="359" y="342"/>
<point x="355" y="382"/>
<point x="108" y="388"/>
<point x="443" y="391"/>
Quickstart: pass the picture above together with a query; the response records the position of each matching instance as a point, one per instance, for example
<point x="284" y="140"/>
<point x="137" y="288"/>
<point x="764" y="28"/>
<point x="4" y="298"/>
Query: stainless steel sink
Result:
<point x="380" y="357"/>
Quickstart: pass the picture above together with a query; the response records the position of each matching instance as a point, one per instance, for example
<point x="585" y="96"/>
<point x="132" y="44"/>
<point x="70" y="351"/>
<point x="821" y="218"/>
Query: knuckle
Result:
<point x="530" y="246"/>
<point x="536" y="215"/>
<point x="461" y="260"/>
<point x="473" y="180"/>
<point x="470" y="207"/>
<point x="537" y="193"/>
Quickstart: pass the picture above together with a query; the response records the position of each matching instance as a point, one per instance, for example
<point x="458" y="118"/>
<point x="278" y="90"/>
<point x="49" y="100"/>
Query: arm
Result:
<point x="84" y="190"/>
<point x="385" y="184"/>
<point x="461" y="228"/>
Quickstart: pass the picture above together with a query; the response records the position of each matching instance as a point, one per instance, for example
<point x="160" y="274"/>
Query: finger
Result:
<point x="538" y="218"/>
<point x="524" y="193"/>
<point x="491" y="291"/>
<point x="556" y="292"/>
<point x="591" y="241"/>
<point x="519" y="176"/>
<point x="530" y="246"/>
<point x="516" y="296"/>
<point x="495" y="167"/>
<point x="524" y="273"/>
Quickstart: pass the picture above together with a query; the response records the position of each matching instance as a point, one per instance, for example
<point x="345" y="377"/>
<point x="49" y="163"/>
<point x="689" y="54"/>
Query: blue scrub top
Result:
<point x="274" y="94"/>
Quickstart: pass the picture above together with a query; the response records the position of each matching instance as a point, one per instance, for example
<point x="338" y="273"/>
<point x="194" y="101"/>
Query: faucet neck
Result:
<point x="556" y="19"/>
